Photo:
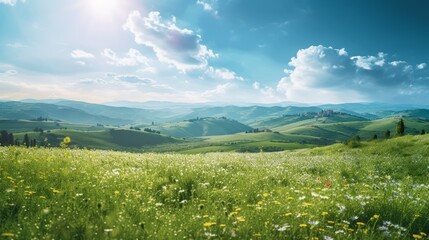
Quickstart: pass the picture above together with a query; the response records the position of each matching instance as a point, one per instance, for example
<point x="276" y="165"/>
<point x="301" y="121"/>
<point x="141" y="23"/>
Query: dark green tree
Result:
<point x="4" y="138"/>
<point x="26" y="140"/>
<point x="400" y="128"/>
<point x="374" y="137"/>
<point x="387" y="134"/>
<point x="11" y="139"/>
<point x="423" y="132"/>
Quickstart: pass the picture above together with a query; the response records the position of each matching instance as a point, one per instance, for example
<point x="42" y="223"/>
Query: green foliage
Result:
<point x="400" y="128"/>
<point x="377" y="191"/>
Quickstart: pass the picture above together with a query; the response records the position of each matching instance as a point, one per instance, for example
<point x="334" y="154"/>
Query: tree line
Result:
<point x="7" y="139"/>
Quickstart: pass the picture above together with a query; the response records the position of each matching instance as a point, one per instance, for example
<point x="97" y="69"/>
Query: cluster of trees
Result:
<point x="400" y="131"/>
<point x="151" y="130"/>
<point x="7" y="139"/>
<point x="257" y="130"/>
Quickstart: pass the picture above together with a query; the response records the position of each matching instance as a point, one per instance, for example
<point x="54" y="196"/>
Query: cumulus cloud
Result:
<point x="8" y="2"/>
<point x="326" y="74"/>
<point x="77" y="53"/>
<point x="421" y="66"/>
<point x="132" y="58"/>
<point x="208" y="6"/>
<point x="179" y="47"/>
<point x="223" y="73"/>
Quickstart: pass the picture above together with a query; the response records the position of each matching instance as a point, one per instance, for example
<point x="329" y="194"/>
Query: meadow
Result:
<point x="376" y="191"/>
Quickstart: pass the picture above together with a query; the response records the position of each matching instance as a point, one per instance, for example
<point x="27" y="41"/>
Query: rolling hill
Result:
<point x="199" y="127"/>
<point x="28" y="111"/>
<point x="118" y="139"/>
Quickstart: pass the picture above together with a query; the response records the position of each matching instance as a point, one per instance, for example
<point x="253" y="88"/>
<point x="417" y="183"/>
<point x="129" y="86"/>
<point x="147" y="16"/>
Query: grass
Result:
<point x="376" y="191"/>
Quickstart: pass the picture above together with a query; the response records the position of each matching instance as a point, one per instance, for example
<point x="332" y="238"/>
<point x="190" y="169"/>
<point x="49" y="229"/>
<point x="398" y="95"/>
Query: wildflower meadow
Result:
<point x="377" y="191"/>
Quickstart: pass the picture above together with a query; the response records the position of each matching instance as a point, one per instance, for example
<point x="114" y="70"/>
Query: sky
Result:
<point x="230" y="51"/>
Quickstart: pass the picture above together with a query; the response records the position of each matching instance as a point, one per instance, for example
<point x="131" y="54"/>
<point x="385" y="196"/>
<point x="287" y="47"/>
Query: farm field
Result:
<point x="378" y="190"/>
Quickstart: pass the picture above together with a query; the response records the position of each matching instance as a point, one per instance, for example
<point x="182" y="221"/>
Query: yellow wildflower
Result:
<point x="67" y="140"/>
<point x="7" y="234"/>
<point x="265" y="195"/>
<point x="423" y="234"/>
<point x="417" y="236"/>
<point x="324" y="213"/>
<point x="360" y="223"/>
<point x="257" y="235"/>
<point x="288" y="214"/>
<point x="222" y="225"/>
<point x="302" y="225"/>
<point x="376" y="216"/>
<point x="209" y="224"/>
<point x="241" y="219"/>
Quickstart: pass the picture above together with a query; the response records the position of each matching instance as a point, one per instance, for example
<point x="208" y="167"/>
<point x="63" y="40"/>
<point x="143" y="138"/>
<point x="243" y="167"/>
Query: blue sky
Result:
<point x="232" y="51"/>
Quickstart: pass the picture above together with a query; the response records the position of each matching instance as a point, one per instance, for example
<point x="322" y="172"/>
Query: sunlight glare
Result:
<point x="103" y="8"/>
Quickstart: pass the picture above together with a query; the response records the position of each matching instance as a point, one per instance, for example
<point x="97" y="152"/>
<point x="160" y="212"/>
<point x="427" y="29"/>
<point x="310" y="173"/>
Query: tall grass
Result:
<point x="376" y="191"/>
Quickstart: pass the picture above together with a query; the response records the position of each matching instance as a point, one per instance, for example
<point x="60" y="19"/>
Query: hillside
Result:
<point x="199" y="127"/>
<point x="377" y="191"/>
<point x="120" y="140"/>
<point x="29" y="111"/>
<point x="248" y="115"/>
<point x="340" y="131"/>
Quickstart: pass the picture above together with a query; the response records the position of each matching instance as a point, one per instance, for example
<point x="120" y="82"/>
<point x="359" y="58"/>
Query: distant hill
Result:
<point x="326" y="116"/>
<point x="249" y="114"/>
<point x="28" y="111"/>
<point x="134" y="115"/>
<point x="199" y="127"/>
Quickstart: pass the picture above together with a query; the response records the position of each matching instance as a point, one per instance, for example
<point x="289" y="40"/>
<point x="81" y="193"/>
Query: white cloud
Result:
<point x="132" y="58"/>
<point x="8" y="73"/>
<point x="219" y="90"/>
<point x="421" y="66"/>
<point x="179" y="47"/>
<point x="77" y="53"/>
<point x="325" y="74"/>
<point x="268" y="92"/>
<point x="16" y="45"/>
<point x="208" y="6"/>
<point x="8" y="2"/>
<point x="223" y="73"/>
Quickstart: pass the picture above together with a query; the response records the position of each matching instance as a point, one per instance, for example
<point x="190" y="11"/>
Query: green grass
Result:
<point x="376" y="191"/>
<point x="119" y="139"/>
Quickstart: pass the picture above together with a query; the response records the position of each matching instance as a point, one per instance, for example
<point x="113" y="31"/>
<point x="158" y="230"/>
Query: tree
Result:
<point x="400" y="128"/>
<point x="11" y="139"/>
<point x="4" y="138"/>
<point x="374" y="137"/>
<point x="387" y="134"/>
<point x="26" y="140"/>
<point x="423" y="132"/>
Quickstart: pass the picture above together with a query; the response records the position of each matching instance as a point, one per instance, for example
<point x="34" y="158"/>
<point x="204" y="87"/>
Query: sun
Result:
<point x="103" y="9"/>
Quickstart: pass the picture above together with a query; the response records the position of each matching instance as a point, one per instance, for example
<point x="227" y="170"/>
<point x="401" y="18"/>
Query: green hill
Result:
<point x="28" y="126"/>
<point x="248" y="115"/>
<point x="340" y="131"/>
<point x="376" y="191"/>
<point x="122" y="140"/>
<point x="29" y="111"/>
<point x="201" y="127"/>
